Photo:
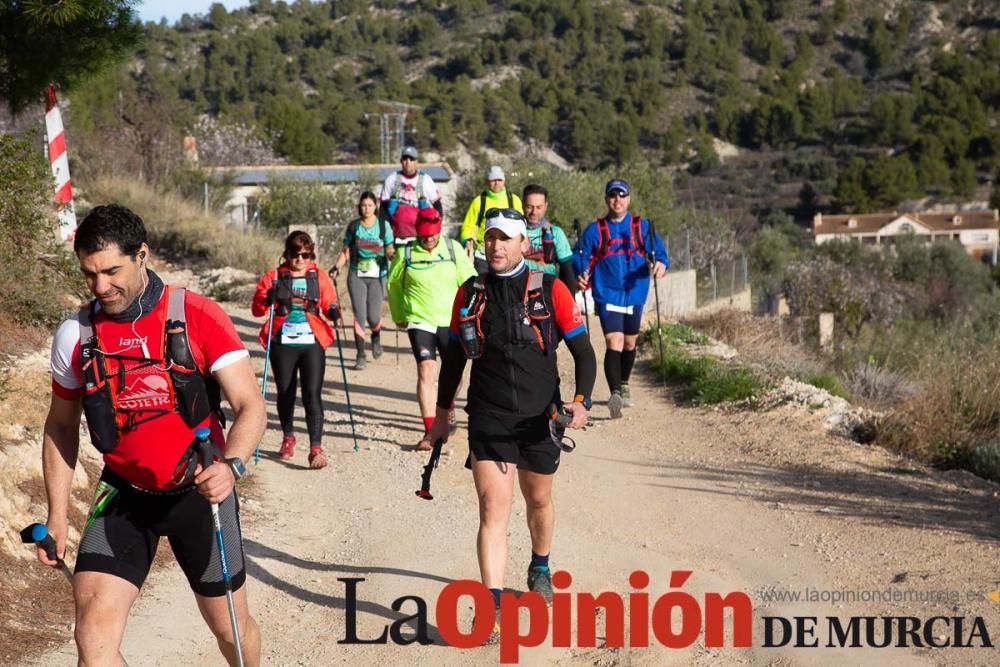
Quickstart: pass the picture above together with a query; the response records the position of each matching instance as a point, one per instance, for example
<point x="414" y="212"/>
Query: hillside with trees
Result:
<point x="838" y="104"/>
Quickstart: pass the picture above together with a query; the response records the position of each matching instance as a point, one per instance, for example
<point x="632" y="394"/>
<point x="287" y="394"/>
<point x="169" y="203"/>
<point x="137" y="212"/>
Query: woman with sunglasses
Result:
<point x="298" y="291"/>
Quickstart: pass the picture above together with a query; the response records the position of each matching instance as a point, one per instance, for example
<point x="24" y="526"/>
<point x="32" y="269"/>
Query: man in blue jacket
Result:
<point x="615" y="256"/>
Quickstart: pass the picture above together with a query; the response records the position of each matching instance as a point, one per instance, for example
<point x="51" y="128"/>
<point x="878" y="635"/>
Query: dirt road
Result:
<point x="756" y="503"/>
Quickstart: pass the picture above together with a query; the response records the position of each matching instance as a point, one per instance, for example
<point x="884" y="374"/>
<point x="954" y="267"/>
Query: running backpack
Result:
<point x="352" y="231"/>
<point x="194" y="396"/>
<point x="536" y="311"/>
<point x="283" y="292"/>
<point x="609" y="246"/>
<point x="482" y="206"/>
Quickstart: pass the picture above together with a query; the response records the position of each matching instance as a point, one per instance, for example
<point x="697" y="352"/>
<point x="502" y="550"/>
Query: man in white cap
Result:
<point x="519" y="315"/>
<point x="494" y="196"/>
<point x="404" y="194"/>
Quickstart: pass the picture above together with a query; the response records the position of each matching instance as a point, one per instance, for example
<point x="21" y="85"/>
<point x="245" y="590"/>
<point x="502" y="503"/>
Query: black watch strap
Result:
<point x="237" y="466"/>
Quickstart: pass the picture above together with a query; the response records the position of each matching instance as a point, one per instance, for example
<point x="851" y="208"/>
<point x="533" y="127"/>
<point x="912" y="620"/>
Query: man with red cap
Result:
<point x="422" y="282"/>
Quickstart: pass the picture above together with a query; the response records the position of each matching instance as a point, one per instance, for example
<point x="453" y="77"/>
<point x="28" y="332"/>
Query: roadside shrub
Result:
<point x="36" y="270"/>
<point x="828" y="382"/>
<point x="876" y="384"/>
<point x="705" y="380"/>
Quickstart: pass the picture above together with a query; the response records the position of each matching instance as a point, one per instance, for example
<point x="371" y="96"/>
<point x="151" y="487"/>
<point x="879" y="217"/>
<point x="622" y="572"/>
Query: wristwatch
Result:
<point x="236" y="465"/>
<point x="586" y="402"/>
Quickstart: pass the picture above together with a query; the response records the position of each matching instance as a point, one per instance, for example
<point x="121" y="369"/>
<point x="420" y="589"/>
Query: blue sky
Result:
<point x="152" y="10"/>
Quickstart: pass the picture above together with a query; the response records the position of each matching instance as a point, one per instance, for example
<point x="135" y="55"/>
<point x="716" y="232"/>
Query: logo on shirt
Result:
<point x="133" y="342"/>
<point x="147" y="391"/>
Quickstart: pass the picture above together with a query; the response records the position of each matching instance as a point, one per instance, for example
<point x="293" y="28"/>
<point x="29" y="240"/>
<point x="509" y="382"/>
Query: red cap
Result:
<point x="428" y="222"/>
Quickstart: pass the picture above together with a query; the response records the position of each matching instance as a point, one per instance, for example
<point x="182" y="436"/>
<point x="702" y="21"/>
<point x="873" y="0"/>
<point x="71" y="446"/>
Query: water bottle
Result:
<point x="468" y="335"/>
<point x="548" y="245"/>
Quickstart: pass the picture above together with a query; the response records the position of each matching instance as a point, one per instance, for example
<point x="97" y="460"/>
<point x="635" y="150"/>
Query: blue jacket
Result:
<point x="620" y="279"/>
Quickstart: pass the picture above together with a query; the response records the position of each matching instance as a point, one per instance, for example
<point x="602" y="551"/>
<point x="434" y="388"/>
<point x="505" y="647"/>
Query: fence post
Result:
<point x="732" y="280"/>
<point x="715" y="285"/>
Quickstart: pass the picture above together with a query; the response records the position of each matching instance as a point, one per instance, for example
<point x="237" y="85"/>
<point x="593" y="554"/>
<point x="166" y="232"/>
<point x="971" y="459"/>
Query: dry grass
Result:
<point x="769" y="343"/>
<point x="182" y="232"/>
<point x="956" y="410"/>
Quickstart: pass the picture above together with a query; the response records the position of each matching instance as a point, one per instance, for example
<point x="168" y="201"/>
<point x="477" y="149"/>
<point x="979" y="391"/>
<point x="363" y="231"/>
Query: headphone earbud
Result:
<point x="142" y="257"/>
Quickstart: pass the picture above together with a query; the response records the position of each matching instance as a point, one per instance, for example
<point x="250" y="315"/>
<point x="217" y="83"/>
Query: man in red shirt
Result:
<point x="145" y="362"/>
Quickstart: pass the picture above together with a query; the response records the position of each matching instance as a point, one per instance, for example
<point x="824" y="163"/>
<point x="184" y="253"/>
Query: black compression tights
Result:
<point x="309" y="364"/>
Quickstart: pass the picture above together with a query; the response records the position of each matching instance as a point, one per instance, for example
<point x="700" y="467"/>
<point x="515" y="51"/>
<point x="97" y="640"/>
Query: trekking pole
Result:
<point x="39" y="534"/>
<point x="425" y="478"/>
<point x="263" y="382"/>
<point x="579" y="251"/>
<point x="208" y="453"/>
<point x="656" y="292"/>
<point x="343" y="370"/>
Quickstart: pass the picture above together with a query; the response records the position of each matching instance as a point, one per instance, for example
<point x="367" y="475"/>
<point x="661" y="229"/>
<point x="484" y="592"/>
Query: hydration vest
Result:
<point x="609" y="246"/>
<point x="352" y="231"/>
<point x="193" y="396"/>
<point x="283" y="292"/>
<point x="482" y="206"/>
<point x="429" y="262"/>
<point x="536" y="313"/>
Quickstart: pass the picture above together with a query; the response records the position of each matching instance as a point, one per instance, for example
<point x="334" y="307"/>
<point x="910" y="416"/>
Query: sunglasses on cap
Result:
<point x="507" y="213"/>
<point x="620" y="194"/>
<point x="303" y="255"/>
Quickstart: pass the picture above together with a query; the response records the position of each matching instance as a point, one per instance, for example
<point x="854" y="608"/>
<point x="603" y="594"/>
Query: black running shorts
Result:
<point x="522" y="441"/>
<point x="125" y="526"/>
<point x="426" y="345"/>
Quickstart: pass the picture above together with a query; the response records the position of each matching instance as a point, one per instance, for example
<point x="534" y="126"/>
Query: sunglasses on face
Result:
<point x="303" y="255"/>
<point x="407" y="159"/>
<point x="617" y="193"/>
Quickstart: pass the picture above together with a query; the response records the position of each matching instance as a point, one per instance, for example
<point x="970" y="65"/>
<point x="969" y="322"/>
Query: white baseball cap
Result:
<point x="495" y="174"/>
<point x="507" y="220"/>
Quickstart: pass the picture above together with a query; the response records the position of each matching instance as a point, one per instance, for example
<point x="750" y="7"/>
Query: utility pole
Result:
<point x="392" y="127"/>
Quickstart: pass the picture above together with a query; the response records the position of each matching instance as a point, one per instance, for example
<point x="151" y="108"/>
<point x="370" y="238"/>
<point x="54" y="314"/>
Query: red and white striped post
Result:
<point x="56" y="138"/>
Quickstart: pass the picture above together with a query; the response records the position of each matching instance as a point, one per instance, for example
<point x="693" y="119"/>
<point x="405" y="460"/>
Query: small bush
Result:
<point x="828" y="382"/>
<point x="985" y="461"/>
<point x="705" y="380"/>
<point x="724" y="383"/>
<point x="876" y="384"/>
<point x="36" y="270"/>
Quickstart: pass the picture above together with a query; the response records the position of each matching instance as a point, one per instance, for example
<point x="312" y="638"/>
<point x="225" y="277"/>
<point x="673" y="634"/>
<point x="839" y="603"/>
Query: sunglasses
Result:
<point x="407" y="158"/>
<point x="620" y="194"/>
<point x="303" y="255"/>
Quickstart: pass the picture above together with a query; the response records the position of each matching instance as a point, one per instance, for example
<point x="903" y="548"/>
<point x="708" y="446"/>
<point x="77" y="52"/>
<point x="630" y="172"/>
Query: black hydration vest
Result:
<point x="283" y="292"/>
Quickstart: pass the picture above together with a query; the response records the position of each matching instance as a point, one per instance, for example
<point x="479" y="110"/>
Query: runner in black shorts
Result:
<point x="514" y="319"/>
<point x="426" y="346"/>
<point x="524" y="442"/>
<point x="125" y="525"/>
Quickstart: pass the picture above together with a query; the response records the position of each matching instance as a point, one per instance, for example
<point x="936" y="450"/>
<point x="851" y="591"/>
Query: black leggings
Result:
<point x="310" y="362"/>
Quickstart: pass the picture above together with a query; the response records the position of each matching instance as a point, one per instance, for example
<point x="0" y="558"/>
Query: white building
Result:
<point x="977" y="231"/>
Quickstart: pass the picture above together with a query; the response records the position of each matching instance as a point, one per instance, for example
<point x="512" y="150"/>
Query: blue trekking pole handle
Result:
<point x="208" y="452"/>
<point x="39" y="534"/>
<point x="263" y="382"/>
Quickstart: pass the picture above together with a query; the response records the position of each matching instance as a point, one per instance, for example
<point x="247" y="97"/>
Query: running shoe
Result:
<point x="317" y="459"/>
<point x="376" y="346"/>
<point x="425" y="444"/>
<point x="362" y="362"/>
<point x="540" y="581"/>
<point x="287" y="450"/>
<point x="626" y="396"/>
<point x="615" y="405"/>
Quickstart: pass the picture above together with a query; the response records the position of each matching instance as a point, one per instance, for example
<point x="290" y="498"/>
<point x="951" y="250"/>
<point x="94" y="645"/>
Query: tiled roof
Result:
<point x="870" y="223"/>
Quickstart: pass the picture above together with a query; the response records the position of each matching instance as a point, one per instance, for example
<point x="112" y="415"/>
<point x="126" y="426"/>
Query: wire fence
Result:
<point x="721" y="279"/>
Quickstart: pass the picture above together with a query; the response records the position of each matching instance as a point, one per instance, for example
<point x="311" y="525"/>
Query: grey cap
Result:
<point x="495" y="174"/>
<point x="409" y="152"/>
